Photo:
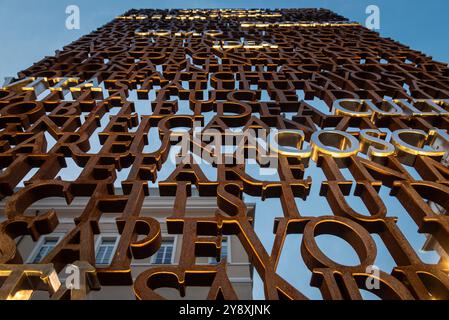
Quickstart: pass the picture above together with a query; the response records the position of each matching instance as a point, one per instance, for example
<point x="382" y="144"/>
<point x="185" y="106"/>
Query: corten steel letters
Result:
<point x="246" y="67"/>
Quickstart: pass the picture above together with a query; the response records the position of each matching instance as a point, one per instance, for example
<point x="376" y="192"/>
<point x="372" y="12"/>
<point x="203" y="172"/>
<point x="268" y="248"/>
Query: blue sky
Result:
<point x="30" y="30"/>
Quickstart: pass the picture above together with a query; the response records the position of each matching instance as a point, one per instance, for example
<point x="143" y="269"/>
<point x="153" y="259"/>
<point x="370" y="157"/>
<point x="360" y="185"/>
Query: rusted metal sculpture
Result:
<point x="221" y="61"/>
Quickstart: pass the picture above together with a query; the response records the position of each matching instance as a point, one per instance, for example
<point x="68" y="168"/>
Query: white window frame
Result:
<point x="213" y="260"/>
<point x="98" y="243"/>
<point x="172" y="260"/>
<point x="40" y="243"/>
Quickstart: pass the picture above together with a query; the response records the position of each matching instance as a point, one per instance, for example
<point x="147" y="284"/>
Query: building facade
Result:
<point x="169" y="253"/>
<point x="136" y="157"/>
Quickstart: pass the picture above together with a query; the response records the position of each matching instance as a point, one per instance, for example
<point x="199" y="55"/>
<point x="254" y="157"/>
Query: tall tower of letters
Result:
<point x="232" y="110"/>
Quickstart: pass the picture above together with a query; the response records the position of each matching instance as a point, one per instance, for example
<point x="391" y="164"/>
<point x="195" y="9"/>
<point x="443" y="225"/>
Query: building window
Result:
<point x="224" y="254"/>
<point x="165" y="253"/>
<point x="106" y="246"/>
<point x="44" y="246"/>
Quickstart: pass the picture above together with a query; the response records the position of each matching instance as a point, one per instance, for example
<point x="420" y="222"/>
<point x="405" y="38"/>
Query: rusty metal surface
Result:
<point x="189" y="56"/>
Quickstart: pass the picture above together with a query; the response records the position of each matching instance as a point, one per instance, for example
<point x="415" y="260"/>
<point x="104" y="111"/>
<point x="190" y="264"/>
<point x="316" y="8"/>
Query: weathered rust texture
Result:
<point x="328" y="62"/>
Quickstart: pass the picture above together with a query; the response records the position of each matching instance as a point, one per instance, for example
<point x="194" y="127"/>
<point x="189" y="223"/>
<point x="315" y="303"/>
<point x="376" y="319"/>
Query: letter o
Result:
<point x="334" y="143"/>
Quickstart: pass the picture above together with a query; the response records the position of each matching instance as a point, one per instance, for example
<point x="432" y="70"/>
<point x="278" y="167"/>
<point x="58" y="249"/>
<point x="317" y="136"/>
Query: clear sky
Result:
<point x="30" y="30"/>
